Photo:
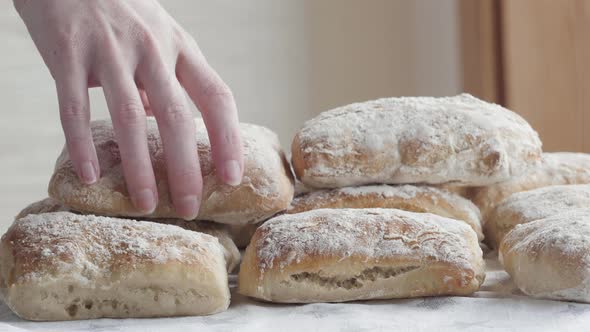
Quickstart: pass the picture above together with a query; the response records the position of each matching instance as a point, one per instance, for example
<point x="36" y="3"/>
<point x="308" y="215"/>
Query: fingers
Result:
<point x="74" y="110"/>
<point x="129" y="122"/>
<point x="217" y="105"/>
<point x="177" y="130"/>
<point x="146" y="103"/>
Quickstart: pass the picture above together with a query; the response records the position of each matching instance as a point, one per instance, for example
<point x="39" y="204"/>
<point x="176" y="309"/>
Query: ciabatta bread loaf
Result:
<point x="267" y="186"/>
<point x="336" y="255"/>
<point x="550" y="257"/>
<point x="457" y="139"/>
<point x="404" y="197"/>
<point x="220" y="231"/>
<point x="556" y="168"/>
<point x="527" y="206"/>
<point x="64" y="266"/>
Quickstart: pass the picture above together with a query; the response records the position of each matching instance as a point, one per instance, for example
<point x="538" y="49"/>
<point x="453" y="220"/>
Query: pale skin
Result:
<point x="144" y="61"/>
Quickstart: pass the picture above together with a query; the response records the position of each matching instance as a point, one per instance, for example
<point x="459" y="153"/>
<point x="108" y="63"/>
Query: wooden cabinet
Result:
<point x="533" y="56"/>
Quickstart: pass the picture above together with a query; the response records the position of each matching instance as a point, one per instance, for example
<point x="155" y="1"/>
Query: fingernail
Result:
<point x="188" y="207"/>
<point x="232" y="172"/>
<point x="87" y="173"/>
<point x="145" y="201"/>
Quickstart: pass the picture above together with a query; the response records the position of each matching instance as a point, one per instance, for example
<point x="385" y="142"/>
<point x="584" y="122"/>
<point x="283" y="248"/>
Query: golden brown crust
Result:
<point x="404" y="197"/>
<point x="297" y="159"/>
<point x="336" y="255"/>
<point x="460" y="190"/>
<point x="266" y="189"/>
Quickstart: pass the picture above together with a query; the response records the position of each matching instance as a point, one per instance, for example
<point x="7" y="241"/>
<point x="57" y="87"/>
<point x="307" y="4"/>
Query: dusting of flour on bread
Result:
<point x="57" y="244"/>
<point x="545" y="202"/>
<point x="550" y="257"/>
<point x="415" y="139"/>
<point x="365" y="233"/>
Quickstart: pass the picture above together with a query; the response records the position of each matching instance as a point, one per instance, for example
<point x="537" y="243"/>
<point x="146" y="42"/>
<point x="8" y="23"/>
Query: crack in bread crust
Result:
<point x="371" y="274"/>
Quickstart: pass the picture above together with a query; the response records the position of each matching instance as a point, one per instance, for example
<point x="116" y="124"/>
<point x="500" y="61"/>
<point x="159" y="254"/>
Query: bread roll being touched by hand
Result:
<point x="458" y="139"/>
<point x="550" y="257"/>
<point x="64" y="266"/>
<point x="266" y="188"/>
<point x="220" y="231"/>
<point x="337" y="255"/>
<point x="556" y="168"/>
<point x="403" y="197"/>
<point x="527" y="206"/>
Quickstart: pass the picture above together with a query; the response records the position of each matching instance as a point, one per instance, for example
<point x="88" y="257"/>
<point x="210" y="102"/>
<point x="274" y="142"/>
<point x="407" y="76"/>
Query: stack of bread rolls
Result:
<point x="86" y="252"/>
<point x="388" y="207"/>
<point x="382" y="217"/>
<point x="543" y="237"/>
<point x="538" y="222"/>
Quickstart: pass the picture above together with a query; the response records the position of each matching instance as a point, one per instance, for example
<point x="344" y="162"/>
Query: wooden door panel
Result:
<point x="543" y="68"/>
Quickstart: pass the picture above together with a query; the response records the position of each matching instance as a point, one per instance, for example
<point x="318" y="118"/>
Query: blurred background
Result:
<point x="287" y="60"/>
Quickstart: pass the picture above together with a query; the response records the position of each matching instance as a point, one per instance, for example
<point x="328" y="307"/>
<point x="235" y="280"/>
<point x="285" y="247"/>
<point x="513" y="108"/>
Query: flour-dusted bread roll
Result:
<point x="337" y="255"/>
<point x="550" y="258"/>
<point x="458" y="139"/>
<point x="404" y="197"/>
<point x="556" y="168"/>
<point x="220" y="231"/>
<point x="527" y="206"/>
<point x="267" y="186"/>
<point x="62" y="266"/>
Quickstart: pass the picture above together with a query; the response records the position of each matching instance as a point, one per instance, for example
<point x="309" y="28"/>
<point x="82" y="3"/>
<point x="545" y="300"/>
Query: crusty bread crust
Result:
<point x="460" y="139"/>
<point x="267" y="186"/>
<point x="64" y="266"/>
<point x="337" y="255"/>
<point x="404" y="197"/>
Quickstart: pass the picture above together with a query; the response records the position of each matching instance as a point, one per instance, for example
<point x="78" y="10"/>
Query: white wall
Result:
<point x="285" y="60"/>
<point x="363" y="50"/>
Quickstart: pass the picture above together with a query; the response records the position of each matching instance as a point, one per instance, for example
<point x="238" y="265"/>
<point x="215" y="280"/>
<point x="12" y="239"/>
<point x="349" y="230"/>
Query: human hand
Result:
<point x="128" y="47"/>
